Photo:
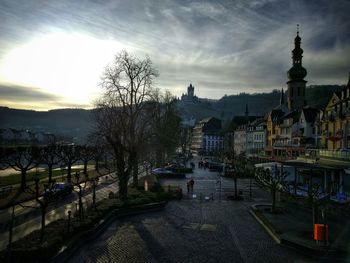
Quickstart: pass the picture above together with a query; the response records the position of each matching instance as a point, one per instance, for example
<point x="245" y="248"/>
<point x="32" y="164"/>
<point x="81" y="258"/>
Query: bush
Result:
<point x="156" y="188"/>
<point x="173" y="192"/>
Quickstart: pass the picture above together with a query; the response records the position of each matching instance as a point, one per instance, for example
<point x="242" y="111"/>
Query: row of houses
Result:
<point x="312" y="143"/>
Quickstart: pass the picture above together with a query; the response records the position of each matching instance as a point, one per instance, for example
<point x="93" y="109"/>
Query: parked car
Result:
<point x="59" y="190"/>
<point x="162" y="171"/>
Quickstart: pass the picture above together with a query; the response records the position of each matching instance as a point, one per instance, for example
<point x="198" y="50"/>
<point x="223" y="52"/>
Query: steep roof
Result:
<point x="257" y="122"/>
<point x="310" y="114"/>
<point x="276" y="115"/>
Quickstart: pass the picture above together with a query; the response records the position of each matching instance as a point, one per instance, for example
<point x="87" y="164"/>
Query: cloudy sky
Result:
<point x="52" y="53"/>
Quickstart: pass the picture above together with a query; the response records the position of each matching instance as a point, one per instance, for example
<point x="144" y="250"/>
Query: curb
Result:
<point x="81" y="239"/>
<point x="281" y="240"/>
<point x="267" y="228"/>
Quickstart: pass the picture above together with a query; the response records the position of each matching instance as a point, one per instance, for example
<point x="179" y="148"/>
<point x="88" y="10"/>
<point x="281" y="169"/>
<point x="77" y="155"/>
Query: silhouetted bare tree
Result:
<point x="165" y="125"/>
<point x="49" y="155"/>
<point x="86" y="153"/>
<point x="127" y="83"/>
<point x="22" y="159"/>
<point x="273" y="180"/>
<point x="81" y="186"/>
<point x="43" y="204"/>
<point x="69" y="156"/>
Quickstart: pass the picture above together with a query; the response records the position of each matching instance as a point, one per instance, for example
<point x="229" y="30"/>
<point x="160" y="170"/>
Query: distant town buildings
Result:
<point x="13" y="136"/>
<point x="206" y="137"/>
<point x="290" y="130"/>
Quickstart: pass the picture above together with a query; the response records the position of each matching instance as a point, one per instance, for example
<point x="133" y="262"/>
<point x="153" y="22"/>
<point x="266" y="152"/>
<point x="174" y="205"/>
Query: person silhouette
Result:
<point x="191" y="184"/>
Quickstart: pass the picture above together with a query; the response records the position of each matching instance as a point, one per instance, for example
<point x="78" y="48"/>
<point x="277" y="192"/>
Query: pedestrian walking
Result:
<point x="188" y="186"/>
<point x="191" y="184"/>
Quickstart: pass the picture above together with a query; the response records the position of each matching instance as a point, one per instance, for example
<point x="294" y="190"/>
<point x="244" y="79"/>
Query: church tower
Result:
<point x="296" y="75"/>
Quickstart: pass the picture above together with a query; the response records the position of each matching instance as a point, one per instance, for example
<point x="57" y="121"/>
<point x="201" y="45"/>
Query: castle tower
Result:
<point x="190" y="92"/>
<point x="296" y="75"/>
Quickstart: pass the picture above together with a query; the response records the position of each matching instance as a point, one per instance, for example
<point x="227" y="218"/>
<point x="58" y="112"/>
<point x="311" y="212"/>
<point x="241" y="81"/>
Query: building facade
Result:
<point x="256" y="137"/>
<point x="336" y="121"/>
<point x="206" y="137"/>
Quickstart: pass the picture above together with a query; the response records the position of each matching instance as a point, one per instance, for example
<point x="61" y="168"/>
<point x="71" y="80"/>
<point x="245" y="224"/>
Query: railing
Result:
<point x="336" y="154"/>
<point x="286" y="144"/>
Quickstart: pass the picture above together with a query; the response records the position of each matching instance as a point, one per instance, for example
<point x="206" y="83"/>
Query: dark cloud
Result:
<point x="25" y="93"/>
<point x="221" y="46"/>
<point x="33" y="98"/>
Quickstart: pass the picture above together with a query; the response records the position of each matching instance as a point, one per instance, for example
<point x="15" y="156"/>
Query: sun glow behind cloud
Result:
<point x="66" y="64"/>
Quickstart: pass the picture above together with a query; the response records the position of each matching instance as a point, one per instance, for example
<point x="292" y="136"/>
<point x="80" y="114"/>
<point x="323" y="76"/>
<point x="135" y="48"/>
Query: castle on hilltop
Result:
<point x="189" y="97"/>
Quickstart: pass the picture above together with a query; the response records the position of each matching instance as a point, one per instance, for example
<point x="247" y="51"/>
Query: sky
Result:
<point x="53" y="53"/>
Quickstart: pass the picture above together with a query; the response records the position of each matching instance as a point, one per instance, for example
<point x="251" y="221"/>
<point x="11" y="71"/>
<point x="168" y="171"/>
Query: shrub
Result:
<point x="156" y="188"/>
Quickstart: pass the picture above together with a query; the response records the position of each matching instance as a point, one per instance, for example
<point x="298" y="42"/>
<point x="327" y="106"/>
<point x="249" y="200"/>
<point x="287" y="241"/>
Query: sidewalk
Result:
<point x="293" y="227"/>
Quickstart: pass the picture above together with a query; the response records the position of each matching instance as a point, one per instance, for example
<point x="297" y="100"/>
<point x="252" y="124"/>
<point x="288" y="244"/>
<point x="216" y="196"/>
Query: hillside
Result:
<point x="77" y="123"/>
<point x="261" y="103"/>
<point x="73" y="123"/>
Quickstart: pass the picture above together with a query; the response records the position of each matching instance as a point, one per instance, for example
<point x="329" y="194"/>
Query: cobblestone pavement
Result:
<point x="190" y="230"/>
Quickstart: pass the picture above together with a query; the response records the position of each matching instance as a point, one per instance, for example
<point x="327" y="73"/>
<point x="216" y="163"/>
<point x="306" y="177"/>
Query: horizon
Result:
<point x="52" y="55"/>
<point x="215" y="100"/>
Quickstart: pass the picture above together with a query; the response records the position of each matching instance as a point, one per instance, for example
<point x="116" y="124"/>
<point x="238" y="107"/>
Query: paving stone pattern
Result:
<point x="189" y="230"/>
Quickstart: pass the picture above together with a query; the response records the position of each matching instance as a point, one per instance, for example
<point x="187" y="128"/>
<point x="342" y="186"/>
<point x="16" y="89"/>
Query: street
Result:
<point x="28" y="216"/>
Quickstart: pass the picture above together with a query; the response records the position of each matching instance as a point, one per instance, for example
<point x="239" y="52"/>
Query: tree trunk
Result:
<point x="159" y="160"/>
<point x="94" y="194"/>
<point x="85" y="167"/>
<point x="23" y="179"/>
<point x="50" y="173"/>
<point x="69" y="173"/>
<point x="135" y="173"/>
<point x="123" y="185"/>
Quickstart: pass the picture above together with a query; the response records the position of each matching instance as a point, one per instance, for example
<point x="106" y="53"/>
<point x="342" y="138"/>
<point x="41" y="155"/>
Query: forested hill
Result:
<point x="70" y="123"/>
<point x="261" y="103"/>
<point x="77" y="123"/>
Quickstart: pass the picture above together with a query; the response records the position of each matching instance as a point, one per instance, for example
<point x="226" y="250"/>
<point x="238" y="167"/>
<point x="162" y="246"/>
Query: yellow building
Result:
<point x="336" y="121"/>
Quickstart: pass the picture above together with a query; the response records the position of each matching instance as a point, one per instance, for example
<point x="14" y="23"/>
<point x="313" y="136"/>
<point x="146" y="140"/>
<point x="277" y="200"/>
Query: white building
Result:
<point x="256" y="136"/>
<point x="213" y="143"/>
<point x="206" y="138"/>
<point x="240" y="139"/>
